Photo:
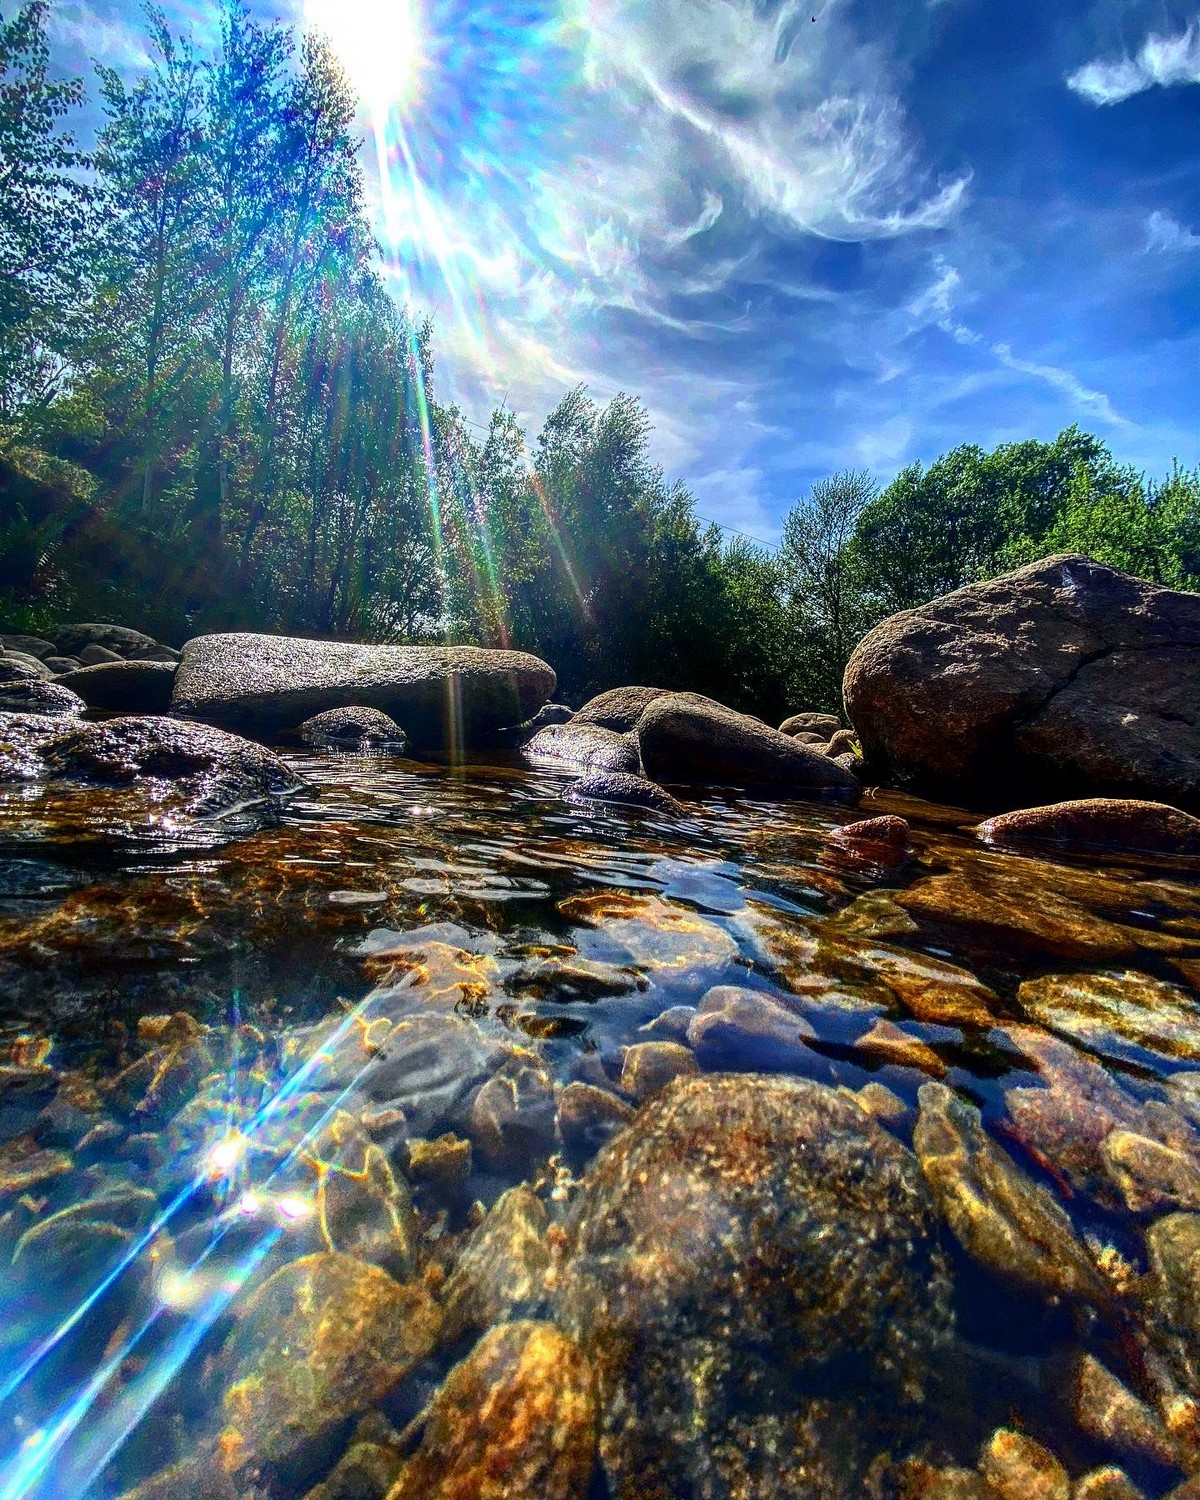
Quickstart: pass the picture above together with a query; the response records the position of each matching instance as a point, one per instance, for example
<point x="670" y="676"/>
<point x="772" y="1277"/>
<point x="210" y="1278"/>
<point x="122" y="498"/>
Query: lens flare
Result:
<point x="378" y="42"/>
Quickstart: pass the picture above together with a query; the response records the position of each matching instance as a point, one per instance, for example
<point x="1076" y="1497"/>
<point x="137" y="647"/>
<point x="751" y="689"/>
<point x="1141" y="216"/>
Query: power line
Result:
<point x="745" y="535"/>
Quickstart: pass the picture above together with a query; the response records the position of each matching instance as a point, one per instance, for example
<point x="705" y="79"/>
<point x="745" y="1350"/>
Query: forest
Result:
<point x="215" y="415"/>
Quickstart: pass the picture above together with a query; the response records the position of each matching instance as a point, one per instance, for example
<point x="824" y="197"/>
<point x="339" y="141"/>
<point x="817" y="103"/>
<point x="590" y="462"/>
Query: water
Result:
<point x="225" y="1059"/>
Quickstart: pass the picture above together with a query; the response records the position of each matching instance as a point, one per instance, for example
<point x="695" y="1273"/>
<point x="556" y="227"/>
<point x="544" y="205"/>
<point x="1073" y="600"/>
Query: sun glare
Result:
<point x="378" y="43"/>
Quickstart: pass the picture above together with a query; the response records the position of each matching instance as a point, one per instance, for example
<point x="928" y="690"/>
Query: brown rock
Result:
<point x="1115" y="1013"/>
<point x="1109" y="1483"/>
<point x="1108" y="1411"/>
<point x="516" y="1420"/>
<point x="886" y="833"/>
<point x="891" y="1044"/>
<point x="501" y="1273"/>
<point x="364" y="1210"/>
<point x="1017" y="1468"/>
<point x="588" y="1116"/>
<point x="845" y="740"/>
<point x="648" y="1067"/>
<point x="442" y="1165"/>
<point x="366" y="1471"/>
<point x="1064" y="673"/>
<point x="917" y="1480"/>
<point x="743" y="1029"/>
<point x="1173" y="1291"/>
<point x="1099" y="822"/>
<point x="512" y="1117"/>
<point x="1152" y="1176"/>
<point x="823" y="725"/>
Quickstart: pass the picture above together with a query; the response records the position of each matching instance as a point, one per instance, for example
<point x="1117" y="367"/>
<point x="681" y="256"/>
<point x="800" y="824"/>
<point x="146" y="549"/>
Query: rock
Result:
<point x="516" y="1420"/>
<point x="684" y="737"/>
<point x="918" y="1480"/>
<point x="364" y="1210"/>
<point x="745" y="1030"/>
<point x="60" y="664"/>
<point x="71" y="640"/>
<point x="501" y="1273"/>
<point x="877" y="841"/>
<point x="93" y="655"/>
<point x="25" y="1165"/>
<point x="1173" y="1294"/>
<point x="1018" y="1468"/>
<point x="1111" y="1414"/>
<point x="647" y="933"/>
<point x="825" y="726"/>
<point x="441" y="1166"/>
<point x="647" y="1068"/>
<point x="437" y="692"/>
<point x="589" y="1116"/>
<point x="1099" y="823"/>
<point x="48" y="698"/>
<point x="845" y="740"/>
<point x="1004" y="1220"/>
<point x="1116" y="1014"/>
<point x="352" y="728"/>
<point x="512" y="1118"/>
<point x="586" y="747"/>
<point x="322" y="1340"/>
<point x="27" y="645"/>
<point x="1065" y="673"/>
<point x="892" y="1044"/>
<point x="1151" y="1175"/>
<point x="927" y="988"/>
<point x="124" y="686"/>
<point x="366" y="1471"/>
<point x="77" y="1246"/>
<point x="177" y="768"/>
<point x="620" y="708"/>
<point x="1109" y="1483"/>
<point x="756" y="1235"/>
<point x="428" y="1068"/>
<point x="21" y="669"/>
<point x="625" y="790"/>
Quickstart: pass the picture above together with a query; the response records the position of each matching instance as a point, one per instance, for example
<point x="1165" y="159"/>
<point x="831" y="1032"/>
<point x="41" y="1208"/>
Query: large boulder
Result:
<point x="685" y="737"/>
<point x="586" y="747"/>
<point x="620" y="708"/>
<point x="135" y="687"/>
<point x="438" y="693"/>
<point x="73" y="640"/>
<point x="1063" y="675"/>
<point x="34" y="697"/>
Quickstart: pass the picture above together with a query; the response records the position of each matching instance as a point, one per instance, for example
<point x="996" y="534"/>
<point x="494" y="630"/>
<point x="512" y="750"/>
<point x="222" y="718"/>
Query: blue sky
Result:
<point x="853" y="233"/>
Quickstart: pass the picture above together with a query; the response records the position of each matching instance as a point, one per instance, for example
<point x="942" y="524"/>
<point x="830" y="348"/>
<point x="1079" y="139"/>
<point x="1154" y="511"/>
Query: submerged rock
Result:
<point x="742" y="1028"/>
<point x="1015" y="1467"/>
<point x="1116" y="1013"/>
<point x="512" y="1117"/>
<point x="620" y="708"/>
<point x="625" y="790"/>
<point x="1173" y="1294"/>
<point x="883" y="839"/>
<point x="501" y="1273"/>
<point x="1063" y="673"/>
<point x="1003" y="1219"/>
<point x="588" y="1116"/>
<point x="750" y="1238"/>
<point x="353" y="728"/>
<point x="516" y="1420"/>
<point x="439" y="693"/>
<point x="1099" y="822"/>
<point x="322" y="1340"/>
<point x="586" y="747"/>
<point x="132" y="687"/>
<point x="1108" y="1411"/>
<point x="685" y="737"/>
<point x="647" y="1068"/>
<point x="48" y="698"/>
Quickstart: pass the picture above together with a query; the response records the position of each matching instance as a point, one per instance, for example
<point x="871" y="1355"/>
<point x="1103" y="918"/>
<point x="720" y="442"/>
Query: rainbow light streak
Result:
<point x="39" y="1455"/>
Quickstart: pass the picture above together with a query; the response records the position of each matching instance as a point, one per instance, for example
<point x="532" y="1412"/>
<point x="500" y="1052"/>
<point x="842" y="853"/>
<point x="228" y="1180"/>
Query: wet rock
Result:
<point x="198" y="1477"/>
<point x="427" y="1067"/>
<point x="670" y="1025"/>
<point x="1003" y="1219"/>
<point x="1064" y="673"/>
<point x="1109" y="1483"/>
<point x="568" y="976"/>
<point x="352" y="728"/>
<point x="588" y="1116"/>
<point x="22" y="738"/>
<point x="585" y="747"/>
<point x="161" y="1081"/>
<point x="1117" y="1013"/>
<point x="1099" y="822"/>
<point x="1109" y="1412"/>
<point x="1018" y="1468"/>
<point x="501" y="1273"/>
<point x="27" y="645"/>
<point x="76" y="1246"/>
<point x="48" y="698"/>
<point x="878" y="1100"/>
<point x="743" y="1029"/>
<point x="365" y="1210"/>
<point x="22" y="669"/>
<point x="741" y="1235"/>
<point x="927" y="988"/>
<point x="1173" y="1294"/>
<point x="322" y="1340"/>
<point x="1051" y="924"/>
<point x="436" y="692"/>
<point x="1152" y="1176"/>
<point x="512" y="1118"/>
<point x="647" y="1068"/>
<point x="25" y="1165"/>
<point x="516" y="1420"/>
<point x="825" y="725"/>
<point x="366" y="1471"/>
<point x="892" y="1044"/>
<point x="72" y="640"/>
<point x="131" y="687"/>
<point x="625" y="790"/>
<point x="651" y="934"/>
<point x="93" y="655"/>
<point x="440" y="1166"/>
<point x="917" y="1480"/>
<point x="620" y="708"/>
<point x="685" y="737"/>
<point x="883" y="839"/>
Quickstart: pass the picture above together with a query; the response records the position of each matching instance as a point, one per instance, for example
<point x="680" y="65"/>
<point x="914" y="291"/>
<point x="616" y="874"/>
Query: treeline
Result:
<point x="213" y="414"/>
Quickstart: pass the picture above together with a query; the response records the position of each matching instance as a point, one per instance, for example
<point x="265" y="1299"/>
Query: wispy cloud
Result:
<point x="1166" y="236"/>
<point x="77" y="25"/>
<point x="1161" y="61"/>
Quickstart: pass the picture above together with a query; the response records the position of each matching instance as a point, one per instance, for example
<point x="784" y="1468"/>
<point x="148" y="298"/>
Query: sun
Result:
<point x="379" y="43"/>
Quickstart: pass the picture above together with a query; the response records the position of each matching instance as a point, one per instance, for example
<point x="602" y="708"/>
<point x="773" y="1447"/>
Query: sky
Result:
<point x="845" y="234"/>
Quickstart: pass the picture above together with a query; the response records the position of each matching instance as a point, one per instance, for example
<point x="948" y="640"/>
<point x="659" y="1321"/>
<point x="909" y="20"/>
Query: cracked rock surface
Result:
<point x="1065" y="673"/>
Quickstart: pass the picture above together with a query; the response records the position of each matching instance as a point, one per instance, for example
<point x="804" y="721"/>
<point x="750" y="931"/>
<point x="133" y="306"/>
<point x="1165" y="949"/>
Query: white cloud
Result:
<point x="1161" y="61"/>
<point x="1094" y="403"/>
<point x="1165" y="235"/>
<point x="109" y="39"/>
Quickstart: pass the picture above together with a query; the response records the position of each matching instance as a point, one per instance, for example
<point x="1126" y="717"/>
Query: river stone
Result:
<point x="366" y="1471"/>
<point x="439" y="693"/>
<point x="1004" y="1220"/>
<point x="365" y="1210"/>
<point x="587" y="747"/>
<point x="624" y="789"/>
<point x="1108" y="1411"/>
<point x="71" y="640"/>
<point x="352" y="728"/>
<point x="1151" y="1175"/>
<point x="1108" y="1483"/>
<point x="1173" y="1294"/>
<point x="1099" y="822"/>
<point x="21" y="669"/>
<point x="27" y="645"/>
<point x="512" y="1118"/>
<point x="1117" y="1013"/>
<point x="685" y="737"/>
<point x="1065" y="673"/>
<point x="124" y="686"/>
<point x="620" y="708"/>
<point x="588" y="1116"/>
<point x="516" y="1420"/>
<point x="1015" y="1467"/>
<point x="48" y="698"/>
<point x="749" y="1235"/>
<point x="745" y="1029"/>
<point x="60" y="664"/>
<point x="647" y="1068"/>
<point x="322" y="1340"/>
<point x="94" y="656"/>
<point x="892" y="1044"/>
<point x="501" y="1273"/>
<point x="825" y="726"/>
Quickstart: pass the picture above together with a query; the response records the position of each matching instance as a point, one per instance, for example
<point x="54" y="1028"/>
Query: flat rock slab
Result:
<point x="439" y="693"/>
